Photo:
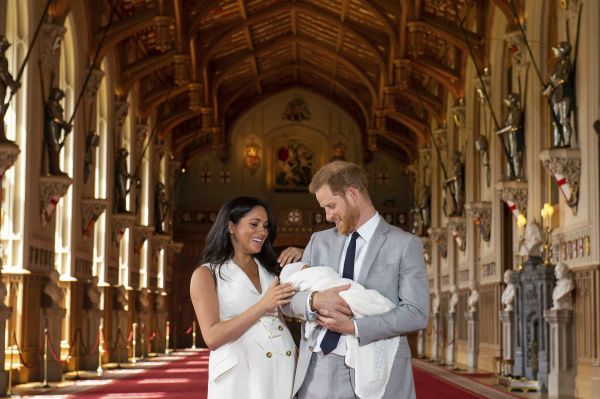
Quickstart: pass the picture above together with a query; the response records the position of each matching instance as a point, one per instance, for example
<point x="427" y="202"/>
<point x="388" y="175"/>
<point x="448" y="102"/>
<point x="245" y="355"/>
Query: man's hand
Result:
<point x="289" y="255"/>
<point x="337" y="322"/>
<point x="329" y="302"/>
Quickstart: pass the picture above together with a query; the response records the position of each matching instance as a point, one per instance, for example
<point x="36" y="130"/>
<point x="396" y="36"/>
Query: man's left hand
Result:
<point x="336" y="321"/>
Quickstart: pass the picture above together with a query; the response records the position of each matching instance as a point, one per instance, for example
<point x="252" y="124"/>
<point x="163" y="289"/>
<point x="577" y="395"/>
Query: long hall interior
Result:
<point x="126" y="124"/>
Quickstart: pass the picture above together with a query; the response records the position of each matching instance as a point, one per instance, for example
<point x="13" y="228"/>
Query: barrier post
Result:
<point x="194" y="334"/>
<point x="77" y="359"/>
<point x="9" y="388"/>
<point x="45" y="383"/>
<point x="142" y="341"/>
<point x="133" y="359"/>
<point x="99" y="370"/>
<point x="167" y="332"/>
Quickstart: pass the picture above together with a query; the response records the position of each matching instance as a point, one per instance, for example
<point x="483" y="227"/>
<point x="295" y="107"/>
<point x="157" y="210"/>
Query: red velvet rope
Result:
<point x="36" y="361"/>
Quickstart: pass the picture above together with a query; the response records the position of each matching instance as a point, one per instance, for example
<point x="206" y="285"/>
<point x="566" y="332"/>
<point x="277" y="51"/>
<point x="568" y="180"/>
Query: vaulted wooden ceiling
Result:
<point x="201" y="63"/>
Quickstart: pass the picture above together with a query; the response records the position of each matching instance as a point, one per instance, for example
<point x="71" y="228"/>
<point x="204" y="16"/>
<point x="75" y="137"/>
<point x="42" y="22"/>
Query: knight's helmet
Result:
<point x="4" y="43"/>
<point x="562" y="50"/>
<point x="57" y="94"/>
<point x="512" y="99"/>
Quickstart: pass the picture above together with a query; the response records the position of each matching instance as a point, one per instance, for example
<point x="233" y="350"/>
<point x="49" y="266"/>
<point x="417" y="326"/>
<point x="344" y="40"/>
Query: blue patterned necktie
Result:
<point x="331" y="338"/>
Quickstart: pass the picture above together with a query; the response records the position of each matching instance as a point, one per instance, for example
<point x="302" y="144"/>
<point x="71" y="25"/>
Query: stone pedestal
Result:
<point x="161" y="320"/>
<point x="435" y="337"/>
<point x="121" y="329"/>
<point x="5" y="313"/>
<point x="52" y="319"/>
<point x="89" y="336"/>
<point x="420" y="344"/>
<point x="450" y="344"/>
<point x="506" y="317"/>
<point x="473" y="339"/>
<point x="561" y="377"/>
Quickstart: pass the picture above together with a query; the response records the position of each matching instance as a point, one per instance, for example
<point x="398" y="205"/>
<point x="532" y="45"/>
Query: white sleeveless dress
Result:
<point x="261" y="363"/>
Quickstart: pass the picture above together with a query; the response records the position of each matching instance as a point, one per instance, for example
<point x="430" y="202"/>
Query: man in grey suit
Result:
<point x="377" y="255"/>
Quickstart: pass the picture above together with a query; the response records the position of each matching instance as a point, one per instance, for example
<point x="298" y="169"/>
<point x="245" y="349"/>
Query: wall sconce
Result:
<point x="521" y="223"/>
<point x="251" y="158"/>
<point x="547" y="212"/>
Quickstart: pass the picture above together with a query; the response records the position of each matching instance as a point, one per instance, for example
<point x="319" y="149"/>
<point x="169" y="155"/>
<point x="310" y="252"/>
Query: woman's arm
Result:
<point x="206" y="305"/>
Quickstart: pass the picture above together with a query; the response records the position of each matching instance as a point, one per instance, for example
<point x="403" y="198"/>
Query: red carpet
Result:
<point x="428" y="386"/>
<point x="183" y="378"/>
<point x="186" y="377"/>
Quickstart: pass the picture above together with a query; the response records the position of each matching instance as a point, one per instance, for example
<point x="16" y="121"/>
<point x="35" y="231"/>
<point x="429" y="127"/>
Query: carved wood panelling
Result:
<point x="461" y="320"/>
<point x="587" y="316"/>
<point x="489" y="306"/>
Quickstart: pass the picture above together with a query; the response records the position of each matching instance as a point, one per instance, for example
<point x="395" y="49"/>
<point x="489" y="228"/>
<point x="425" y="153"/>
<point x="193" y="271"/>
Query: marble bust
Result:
<point x="121" y="298"/>
<point x="453" y="300"/>
<point x="93" y="293"/>
<point x="473" y="297"/>
<point x="534" y="238"/>
<point x="561" y="295"/>
<point x="508" y="295"/>
<point x="52" y="290"/>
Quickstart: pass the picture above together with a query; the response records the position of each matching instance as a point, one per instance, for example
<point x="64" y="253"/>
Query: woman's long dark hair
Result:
<point x="218" y="248"/>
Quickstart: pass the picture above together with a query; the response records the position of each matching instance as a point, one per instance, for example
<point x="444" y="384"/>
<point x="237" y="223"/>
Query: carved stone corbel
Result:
<point x="389" y="98"/>
<point x="119" y="223"/>
<point x="195" y="97"/>
<point x="52" y="189"/>
<point x="514" y="194"/>
<point x="91" y="209"/>
<point x="458" y="227"/>
<point x="401" y="73"/>
<point x="93" y="84"/>
<point x="141" y="133"/>
<point x="159" y="241"/>
<point x="140" y="234"/>
<point x="564" y="164"/>
<point x="481" y="213"/>
<point x="9" y="153"/>
<point x="518" y="48"/>
<point x="440" y="138"/>
<point x="439" y="236"/>
<point x="162" y="30"/>
<point x="52" y="36"/>
<point x="181" y="66"/>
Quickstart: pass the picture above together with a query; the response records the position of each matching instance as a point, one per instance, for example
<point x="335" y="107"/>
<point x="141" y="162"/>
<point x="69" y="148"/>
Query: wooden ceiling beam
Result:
<point x="136" y="71"/>
<point x="414" y="125"/>
<point x="167" y="125"/>
<point x="289" y="39"/>
<point x="154" y="99"/>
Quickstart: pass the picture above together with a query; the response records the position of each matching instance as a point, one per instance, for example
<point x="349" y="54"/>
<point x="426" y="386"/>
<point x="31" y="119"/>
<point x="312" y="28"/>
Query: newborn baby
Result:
<point x="372" y="363"/>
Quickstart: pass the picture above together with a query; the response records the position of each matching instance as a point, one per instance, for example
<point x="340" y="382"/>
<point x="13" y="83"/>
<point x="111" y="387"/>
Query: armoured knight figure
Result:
<point x="513" y="137"/>
<point x="54" y="128"/>
<point x="561" y="93"/>
<point x="122" y="177"/>
<point x="425" y="208"/>
<point x="456" y="184"/>
<point x="161" y="207"/>
<point x="91" y="142"/>
<point x="6" y="81"/>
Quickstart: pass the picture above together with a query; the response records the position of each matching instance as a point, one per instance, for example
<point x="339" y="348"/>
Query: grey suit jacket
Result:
<point x="393" y="265"/>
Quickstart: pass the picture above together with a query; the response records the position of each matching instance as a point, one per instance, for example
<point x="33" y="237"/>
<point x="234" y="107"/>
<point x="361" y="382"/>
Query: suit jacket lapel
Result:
<point x="372" y="250"/>
<point x="335" y="252"/>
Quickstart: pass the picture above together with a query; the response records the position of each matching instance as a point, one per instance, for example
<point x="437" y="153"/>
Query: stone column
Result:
<point x="90" y="338"/>
<point x="435" y="337"/>
<point x="473" y="339"/>
<point x="5" y="313"/>
<point x="450" y="344"/>
<point x="420" y="344"/>
<point x="506" y="317"/>
<point x="52" y="319"/>
<point x="561" y="377"/>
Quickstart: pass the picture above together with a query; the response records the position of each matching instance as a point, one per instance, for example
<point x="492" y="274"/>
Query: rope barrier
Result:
<point x="57" y="359"/>
<point x="36" y="361"/>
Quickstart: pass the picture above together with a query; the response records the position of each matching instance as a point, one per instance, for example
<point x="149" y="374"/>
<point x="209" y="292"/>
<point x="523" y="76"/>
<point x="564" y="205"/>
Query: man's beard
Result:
<point x="349" y="220"/>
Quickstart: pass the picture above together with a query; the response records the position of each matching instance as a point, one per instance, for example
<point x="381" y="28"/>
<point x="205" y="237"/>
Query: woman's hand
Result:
<point x="277" y="295"/>
<point x="290" y="255"/>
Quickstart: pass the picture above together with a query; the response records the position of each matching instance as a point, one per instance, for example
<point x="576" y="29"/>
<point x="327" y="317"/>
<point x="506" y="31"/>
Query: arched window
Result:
<point x="160" y="275"/>
<point x="13" y="180"/>
<point x="100" y="178"/>
<point x="64" y="209"/>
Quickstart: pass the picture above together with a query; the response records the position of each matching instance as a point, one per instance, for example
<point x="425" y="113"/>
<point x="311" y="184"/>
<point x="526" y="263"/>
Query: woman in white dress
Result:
<point x="236" y="294"/>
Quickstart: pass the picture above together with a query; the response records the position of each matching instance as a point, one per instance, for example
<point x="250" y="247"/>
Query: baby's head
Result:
<point x="290" y="269"/>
